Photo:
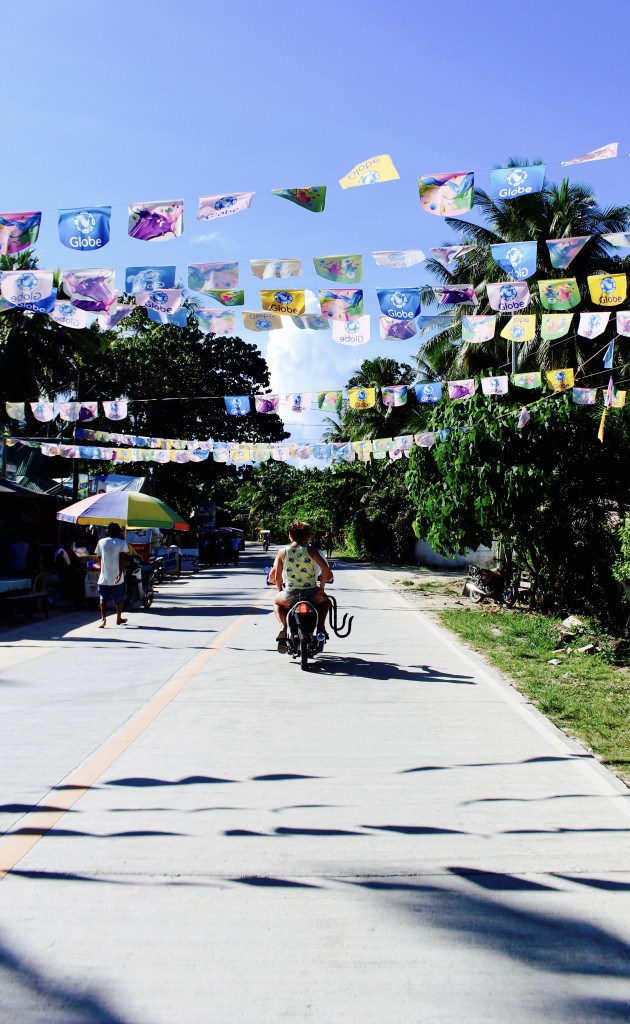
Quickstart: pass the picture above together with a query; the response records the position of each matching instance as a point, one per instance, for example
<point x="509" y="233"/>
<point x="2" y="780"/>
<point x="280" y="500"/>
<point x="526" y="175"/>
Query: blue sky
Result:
<point x="119" y="102"/>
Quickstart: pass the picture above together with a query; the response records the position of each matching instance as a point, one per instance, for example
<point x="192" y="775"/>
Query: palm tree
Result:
<point x="379" y="421"/>
<point x="560" y="210"/>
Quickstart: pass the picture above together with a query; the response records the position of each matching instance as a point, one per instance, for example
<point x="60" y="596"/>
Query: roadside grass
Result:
<point x="431" y="587"/>
<point x="586" y="695"/>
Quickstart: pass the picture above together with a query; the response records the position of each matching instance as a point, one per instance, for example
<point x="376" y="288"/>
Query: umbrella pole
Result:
<point x="75" y="470"/>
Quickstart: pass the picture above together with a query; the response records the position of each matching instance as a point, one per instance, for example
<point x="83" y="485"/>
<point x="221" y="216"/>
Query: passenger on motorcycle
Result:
<point x="294" y="571"/>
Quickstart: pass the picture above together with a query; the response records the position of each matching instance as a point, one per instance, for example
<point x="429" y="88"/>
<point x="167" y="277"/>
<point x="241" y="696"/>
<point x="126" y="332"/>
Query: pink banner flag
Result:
<point x="396" y="330"/>
<point x="93" y="290"/>
<point x="69" y="411"/>
<point x="211" y="207"/>
<point x="156" y="222"/>
<point x="394" y="395"/>
<point x="351" y="332"/>
<point x="508" y="296"/>
<point x="116" y="409"/>
<point x="524" y="418"/>
<point x="461" y="389"/>
<point x="299" y="401"/>
<point x="623" y="322"/>
<point x="447" y="195"/>
<point x="563" y="251"/>
<point x="477" y="329"/>
<point x="494" y="385"/>
<point x="603" y="153"/>
<point x="398" y="259"/>
<point x="591" y="325"/>
<point x="67" y="315"/>
<point x="116" y="315"/>
<point x="15" y="410"/>
<point x="43" y="411"/>
<point x="167" y="300"/>
<point x="266" y="403"/>
<point x="448" y="255"/>
<point x="455" y="295"/>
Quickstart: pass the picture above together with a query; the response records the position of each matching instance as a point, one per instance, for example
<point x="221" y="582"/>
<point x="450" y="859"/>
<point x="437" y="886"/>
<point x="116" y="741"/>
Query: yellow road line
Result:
<point x="15" y="847"/>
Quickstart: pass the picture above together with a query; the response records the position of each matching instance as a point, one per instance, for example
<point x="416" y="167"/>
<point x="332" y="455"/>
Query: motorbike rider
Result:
<point x="295" y="571"/>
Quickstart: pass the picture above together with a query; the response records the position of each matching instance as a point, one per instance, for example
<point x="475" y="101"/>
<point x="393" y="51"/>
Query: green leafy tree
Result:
<point x="38" y="357"/>
<point x="549" y="493"/>
<point x="561" y="210"/>
<point x="175" y="380"/>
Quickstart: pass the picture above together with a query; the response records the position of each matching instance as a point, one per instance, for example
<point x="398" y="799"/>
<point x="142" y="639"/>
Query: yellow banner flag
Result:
<point x="617" y="399"/>
<point x="608" y="289"/>
<point x="520" y="328"/>
<point x="560" y="380"/>
<point x="287" y="303"/>
<point x="371" y="171"/>
<point x="262" y="321"/>
<point x="602" y="423"/>
<point x="362" y="398"/>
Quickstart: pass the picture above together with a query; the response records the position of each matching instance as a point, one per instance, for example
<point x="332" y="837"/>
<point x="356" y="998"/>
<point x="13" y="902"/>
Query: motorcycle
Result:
<point x="139" y="579"/>
<point x="303" y="640"/>
<point x="498" y="584"/>
<point x="159" y="567"/>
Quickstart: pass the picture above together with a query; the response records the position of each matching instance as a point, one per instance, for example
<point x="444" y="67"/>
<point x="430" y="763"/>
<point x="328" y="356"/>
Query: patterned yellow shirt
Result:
<point x="300" y="571"/>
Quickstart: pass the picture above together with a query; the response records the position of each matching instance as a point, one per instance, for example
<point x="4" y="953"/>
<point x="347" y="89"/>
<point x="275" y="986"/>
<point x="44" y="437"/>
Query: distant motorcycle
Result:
<point x="139" y="579"/>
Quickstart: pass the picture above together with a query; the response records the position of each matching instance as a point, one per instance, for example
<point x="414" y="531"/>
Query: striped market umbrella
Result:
<point x="127" y="508"/>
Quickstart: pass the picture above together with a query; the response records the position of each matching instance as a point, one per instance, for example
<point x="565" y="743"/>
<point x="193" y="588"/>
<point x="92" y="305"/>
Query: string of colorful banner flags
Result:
<point x="359" y="398"/>
<point x="163" y="450"/>
<point x="88" y="228"/>
<point x="341" y="309"/>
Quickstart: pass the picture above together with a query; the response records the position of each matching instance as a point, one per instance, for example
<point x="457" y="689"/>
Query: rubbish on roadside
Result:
<point x="587" y="649"/>
<point x="572" y="622"/>
<point x="554" y="661"/>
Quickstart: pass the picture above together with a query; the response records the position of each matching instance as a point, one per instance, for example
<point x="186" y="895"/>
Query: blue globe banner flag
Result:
<point x="515" y="182"/>
<point x="430" y="391"/>
<point x="399" y="303"/>
<point x="518" y="259"/>
<point x="147" y="279"/>
<point x="85" y="228"/>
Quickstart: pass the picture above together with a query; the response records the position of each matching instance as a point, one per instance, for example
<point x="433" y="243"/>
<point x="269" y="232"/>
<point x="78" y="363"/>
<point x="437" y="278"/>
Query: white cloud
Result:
<point x="307" y="361"/>
<point x="217" y="238"/>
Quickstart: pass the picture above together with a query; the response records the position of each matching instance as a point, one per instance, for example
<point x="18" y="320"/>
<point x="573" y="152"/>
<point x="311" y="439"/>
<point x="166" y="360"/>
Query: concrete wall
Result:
<point x="425" y="555"/>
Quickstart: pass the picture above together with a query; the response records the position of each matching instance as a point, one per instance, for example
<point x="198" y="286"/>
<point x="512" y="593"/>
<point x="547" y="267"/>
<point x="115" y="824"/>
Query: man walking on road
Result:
<point x="111" y="551"/>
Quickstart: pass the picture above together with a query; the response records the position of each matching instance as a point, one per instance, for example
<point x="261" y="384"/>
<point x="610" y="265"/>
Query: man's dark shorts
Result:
<point x="112" y="593"/>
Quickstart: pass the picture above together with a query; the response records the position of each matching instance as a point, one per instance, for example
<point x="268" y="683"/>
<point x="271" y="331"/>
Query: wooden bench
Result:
<point x="36" y="600"/>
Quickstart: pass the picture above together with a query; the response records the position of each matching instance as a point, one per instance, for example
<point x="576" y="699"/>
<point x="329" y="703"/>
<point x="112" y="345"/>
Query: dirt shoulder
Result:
<point x="429" y="590"/>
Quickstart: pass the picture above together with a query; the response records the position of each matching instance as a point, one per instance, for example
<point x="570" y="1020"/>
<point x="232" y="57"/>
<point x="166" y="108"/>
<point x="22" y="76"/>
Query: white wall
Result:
<point x="425" y="555"/>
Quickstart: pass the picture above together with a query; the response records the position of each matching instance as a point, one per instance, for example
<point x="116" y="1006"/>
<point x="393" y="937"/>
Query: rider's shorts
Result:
<point x="290" y="596"/>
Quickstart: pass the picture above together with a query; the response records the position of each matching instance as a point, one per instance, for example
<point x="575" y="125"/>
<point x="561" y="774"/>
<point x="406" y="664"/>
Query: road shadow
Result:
<point x="561" y="952"/>
<point x="387" y="671"/>
<point x="27" y="994"/>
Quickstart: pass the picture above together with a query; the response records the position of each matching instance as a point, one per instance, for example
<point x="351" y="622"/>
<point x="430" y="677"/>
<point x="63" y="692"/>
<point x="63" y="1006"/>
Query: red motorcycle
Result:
<point x="498" y="584"/>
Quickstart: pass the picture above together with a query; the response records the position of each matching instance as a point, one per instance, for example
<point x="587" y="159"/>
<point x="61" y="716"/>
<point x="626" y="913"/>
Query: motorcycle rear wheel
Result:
<point x="508" y="597"/>
<point x="304" y="654"/>
<point x="475" y="596"/>
<point x="147" y="598"/>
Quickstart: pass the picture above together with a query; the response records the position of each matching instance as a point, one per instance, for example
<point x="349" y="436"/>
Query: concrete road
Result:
<point x="197" y="831"/>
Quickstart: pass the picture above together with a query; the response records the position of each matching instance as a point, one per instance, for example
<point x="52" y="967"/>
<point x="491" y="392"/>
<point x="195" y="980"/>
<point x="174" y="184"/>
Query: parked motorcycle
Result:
<point x="139" y="579"/>
<point x="498" y="584"/>
<point x="159" y="569"/>
<point x="303" y="640"/>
